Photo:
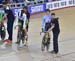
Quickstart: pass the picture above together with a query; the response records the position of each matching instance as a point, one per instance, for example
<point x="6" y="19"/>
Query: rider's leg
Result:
<point x="18" y="37"/>
<point x="3" y="35"/>
<point x="27" y="26"/>
<point x="43" y="47"/>
<point x="23" y="36"/>
<point x="26" y="37"/>
<point x="19" y="30"/>
<point x="47" y="47"/>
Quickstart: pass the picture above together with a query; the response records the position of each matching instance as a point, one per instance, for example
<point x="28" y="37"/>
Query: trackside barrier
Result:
<point x="33" y="9"/>
<point x="60" y="4"/>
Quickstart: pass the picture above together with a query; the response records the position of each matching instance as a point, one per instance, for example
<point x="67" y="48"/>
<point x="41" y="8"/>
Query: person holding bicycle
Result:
<point x="56" y="32"/>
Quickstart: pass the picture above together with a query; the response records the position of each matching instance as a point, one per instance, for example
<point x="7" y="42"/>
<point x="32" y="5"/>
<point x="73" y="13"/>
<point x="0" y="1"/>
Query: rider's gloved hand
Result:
<point x="42" y="30"/>
<point x="23" y="28"/>
<point x="15" y="27"/>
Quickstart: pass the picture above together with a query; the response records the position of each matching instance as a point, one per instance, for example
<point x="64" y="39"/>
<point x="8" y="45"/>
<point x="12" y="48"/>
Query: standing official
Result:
<point x="10" y="21"/>
<point x="56" y="31"/>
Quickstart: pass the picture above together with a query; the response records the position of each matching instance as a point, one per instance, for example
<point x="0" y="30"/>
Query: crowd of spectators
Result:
<point x="24" y="2"/>
<point x="20" y="1"/>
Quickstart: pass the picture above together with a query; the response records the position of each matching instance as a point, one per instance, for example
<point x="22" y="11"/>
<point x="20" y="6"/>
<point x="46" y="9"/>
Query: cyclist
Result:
<point x="46" y="24"/>
<point x="27" y="22"/>
<point x="22" y="18"/>
<point x="46" y="21"/>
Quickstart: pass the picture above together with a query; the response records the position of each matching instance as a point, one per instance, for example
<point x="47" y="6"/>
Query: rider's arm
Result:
<point x="43" y="23"/>
<point x="25" y="18"/>
<point x="17" y="18"/>
<point x="4" y="18"/>
<point x="28" y="16"/>
<point x="52" y="26"/>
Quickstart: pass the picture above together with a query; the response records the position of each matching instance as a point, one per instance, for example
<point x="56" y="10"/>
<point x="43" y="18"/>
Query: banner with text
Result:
<point x="37" y="8"/>
<point x="60" y="4"/>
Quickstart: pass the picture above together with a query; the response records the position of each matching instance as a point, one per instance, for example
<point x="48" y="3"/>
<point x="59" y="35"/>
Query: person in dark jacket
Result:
<point x="10" y="21"/>
<point x="56" y="30"/>
<point x="28" y="17"/>
<point x="27" y="22"/>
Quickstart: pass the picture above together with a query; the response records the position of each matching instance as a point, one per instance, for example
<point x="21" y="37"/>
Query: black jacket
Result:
<point x="10" y="14"/>
<point x="28" y="15"/>
<point x="56" y="25"/>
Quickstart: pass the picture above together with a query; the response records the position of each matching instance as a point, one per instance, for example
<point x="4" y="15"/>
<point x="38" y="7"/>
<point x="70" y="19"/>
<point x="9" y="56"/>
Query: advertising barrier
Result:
<point x="60" y="4"/>
<point x="16" y="10"/>
<point x="37" y="8"/>
<point x="33" y="9"/>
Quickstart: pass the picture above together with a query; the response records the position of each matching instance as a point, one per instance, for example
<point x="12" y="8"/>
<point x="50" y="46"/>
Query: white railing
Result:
<point x="16" y="5"/>
<point x="13" y="5"/>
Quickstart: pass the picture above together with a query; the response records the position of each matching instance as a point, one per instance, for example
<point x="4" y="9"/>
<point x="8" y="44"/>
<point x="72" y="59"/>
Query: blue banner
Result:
<point x="37" y="8"/>
<point x="32" y="9"/>
<point x="16" y="10"/>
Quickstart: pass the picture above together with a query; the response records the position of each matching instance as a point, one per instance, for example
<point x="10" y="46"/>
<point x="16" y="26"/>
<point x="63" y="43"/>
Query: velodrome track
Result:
<point x="33" y="52"/>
